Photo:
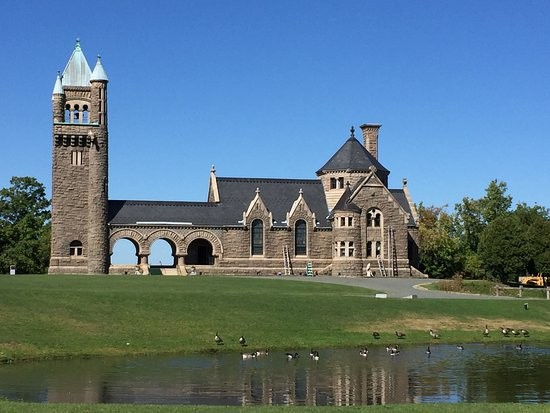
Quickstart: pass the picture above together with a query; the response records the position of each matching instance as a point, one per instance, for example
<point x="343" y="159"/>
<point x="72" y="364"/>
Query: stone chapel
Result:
<point x="346" y="221"/>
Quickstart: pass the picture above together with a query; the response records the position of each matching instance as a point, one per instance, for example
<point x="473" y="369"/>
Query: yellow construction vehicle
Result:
<point x="537" y="280"/>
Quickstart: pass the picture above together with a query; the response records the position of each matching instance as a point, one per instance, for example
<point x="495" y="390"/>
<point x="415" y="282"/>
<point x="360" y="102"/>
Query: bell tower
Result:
<point x="79" y="243"/>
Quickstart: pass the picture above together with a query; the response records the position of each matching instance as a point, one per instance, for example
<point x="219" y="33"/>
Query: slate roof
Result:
<point x="400" y="197"/>
<point x="352" y="156"/>
<point x="235" y="196"/>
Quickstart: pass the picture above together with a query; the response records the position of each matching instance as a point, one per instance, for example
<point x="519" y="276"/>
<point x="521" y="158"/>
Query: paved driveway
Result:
<point x="394" y="287"/>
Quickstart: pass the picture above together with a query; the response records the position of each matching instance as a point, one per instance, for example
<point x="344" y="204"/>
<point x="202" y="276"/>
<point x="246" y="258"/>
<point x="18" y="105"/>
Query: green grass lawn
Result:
<point x="83" y="316"/>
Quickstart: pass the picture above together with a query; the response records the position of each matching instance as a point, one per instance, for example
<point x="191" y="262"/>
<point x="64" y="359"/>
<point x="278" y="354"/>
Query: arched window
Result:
<point x="67" y="113"/>
<point x="300" y="238"/>
<point x="75" y="248"/>
<point x="257" y="237"/>
<point x="374" y="218"/>
<point x="85" y="118"/>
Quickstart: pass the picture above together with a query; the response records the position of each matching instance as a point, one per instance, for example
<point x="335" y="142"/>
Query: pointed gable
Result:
<point x="77" y="72"/>
<point x="345" y="203"/>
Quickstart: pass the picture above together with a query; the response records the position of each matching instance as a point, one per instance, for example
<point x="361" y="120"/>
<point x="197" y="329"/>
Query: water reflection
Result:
<point x="341" y="378"/>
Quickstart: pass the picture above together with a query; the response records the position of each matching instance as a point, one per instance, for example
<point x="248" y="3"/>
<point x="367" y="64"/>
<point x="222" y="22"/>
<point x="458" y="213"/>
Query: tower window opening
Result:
<point x="75" y="249"/>
<point x="76" y="157"/>
<point x="85" y="114"/>
<point x="67" y="113"/>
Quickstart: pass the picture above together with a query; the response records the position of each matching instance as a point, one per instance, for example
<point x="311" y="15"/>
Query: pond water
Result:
<point x="341" y="377"/>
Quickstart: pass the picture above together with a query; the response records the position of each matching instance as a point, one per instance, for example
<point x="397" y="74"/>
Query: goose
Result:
<point x="515" y="332"/>
<point x="393" y="350"/>
<point x="505" y="331"/>
<point x="524" y="332"/>
<point x="486" y="331"/>
<point x="433" y="334"/>
<point x="248" y="356"/>
<point x="292" y="356"/>
<point x="399" y="334"/>
<point x="376" y="335"/>
<point x="364" y="352"/>
<point x="459" y="347"/>
<point x="218" y="339"/>
<point x="242" y="341"/>
<point x="428" y="351"/>
<point x="519" y="347"/>
<point x="262" y="352"/>
<point x="314" y="354"/>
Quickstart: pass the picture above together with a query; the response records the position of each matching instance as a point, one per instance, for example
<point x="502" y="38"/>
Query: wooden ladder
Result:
<point x="393" y="252"/>
<point x="381" y="266"/>
<point x="286" y="261"/>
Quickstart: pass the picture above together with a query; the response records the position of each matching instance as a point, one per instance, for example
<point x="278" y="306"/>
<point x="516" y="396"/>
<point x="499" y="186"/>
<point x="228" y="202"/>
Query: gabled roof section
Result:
<point x="278" y="195"/>
<point x="77" y="72"/>
<point x="352" y="156"/>
<point x="345" y="204"/>
<point x="235" y="196"/>
<point x="401" y="198"/>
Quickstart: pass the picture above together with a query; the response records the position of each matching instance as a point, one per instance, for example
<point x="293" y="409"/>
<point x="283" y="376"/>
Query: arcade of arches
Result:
<point x="133" y="253"/>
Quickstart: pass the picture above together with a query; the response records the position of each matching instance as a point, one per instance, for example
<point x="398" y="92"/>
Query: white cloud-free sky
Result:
<point x="271" y="89"/>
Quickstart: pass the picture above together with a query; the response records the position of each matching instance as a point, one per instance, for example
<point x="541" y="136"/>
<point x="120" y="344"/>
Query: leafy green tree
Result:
<point x="536" y="225"/>
<point x="24" y="226"/>
<point x="472" y="218"/>
<point x="503" y="248"/>
<point x="439" y="251"/>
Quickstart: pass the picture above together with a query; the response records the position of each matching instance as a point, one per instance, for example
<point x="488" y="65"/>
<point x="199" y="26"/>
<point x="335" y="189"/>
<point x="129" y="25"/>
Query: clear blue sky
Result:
<point x="271" y="88"/>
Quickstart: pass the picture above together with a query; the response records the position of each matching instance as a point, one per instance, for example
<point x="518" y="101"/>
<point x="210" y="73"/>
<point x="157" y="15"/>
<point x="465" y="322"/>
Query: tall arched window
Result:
<point x="75" y="248"/>
<point x="257" y="237"/>
<point x="300" y="238"/>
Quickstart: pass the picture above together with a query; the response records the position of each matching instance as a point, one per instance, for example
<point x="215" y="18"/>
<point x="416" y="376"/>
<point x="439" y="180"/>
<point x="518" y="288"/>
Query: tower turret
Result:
<point x="80" y="169"/>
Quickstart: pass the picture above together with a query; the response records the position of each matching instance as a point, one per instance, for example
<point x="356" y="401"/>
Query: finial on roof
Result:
<point x="213" y="169"/>
<point x="352" y="130"/>
<point x="404" y="181"/>
<point x="301" y="191"/>
<point x="77" y="45"/>
<point x="257" y="190"/>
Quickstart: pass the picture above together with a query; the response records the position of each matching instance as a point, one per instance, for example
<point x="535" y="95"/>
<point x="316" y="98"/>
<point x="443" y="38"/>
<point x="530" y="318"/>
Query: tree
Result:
<point x="536" y="225"/>
<point x="472" y="218"/>
<point x="439" y="251"/>
<point x="24" y="226"/>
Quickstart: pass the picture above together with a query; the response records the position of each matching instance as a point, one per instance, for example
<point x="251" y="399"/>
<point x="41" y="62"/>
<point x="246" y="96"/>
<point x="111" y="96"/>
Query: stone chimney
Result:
<point x="370" y="138"/>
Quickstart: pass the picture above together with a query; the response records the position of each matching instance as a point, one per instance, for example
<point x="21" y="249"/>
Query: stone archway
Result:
<point x="212" y="239"/>
<point x="199" y="252"/>
<point x="174" y="241"/>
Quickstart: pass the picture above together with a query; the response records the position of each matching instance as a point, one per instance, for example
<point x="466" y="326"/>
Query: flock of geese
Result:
<point x="391" y="350"/>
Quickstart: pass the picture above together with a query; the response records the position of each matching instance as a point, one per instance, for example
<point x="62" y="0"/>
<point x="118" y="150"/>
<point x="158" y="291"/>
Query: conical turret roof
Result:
<point x="352" y="156"/>
<point x="77" y="72"/>
<point x="99" y="71"/>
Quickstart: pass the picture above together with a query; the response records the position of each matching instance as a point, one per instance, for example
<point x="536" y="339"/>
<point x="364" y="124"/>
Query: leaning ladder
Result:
<point x="393" y="252"/>
<point x="286" y="261"/>
<point x="381" y="266"/>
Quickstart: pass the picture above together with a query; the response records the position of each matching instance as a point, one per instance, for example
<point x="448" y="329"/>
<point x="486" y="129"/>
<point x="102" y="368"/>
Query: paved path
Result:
<point x="394" y="287"/>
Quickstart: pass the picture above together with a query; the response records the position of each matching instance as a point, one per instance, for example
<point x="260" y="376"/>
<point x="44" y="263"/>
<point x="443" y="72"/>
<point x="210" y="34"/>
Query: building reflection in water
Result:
<point x="340" y="378"/>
